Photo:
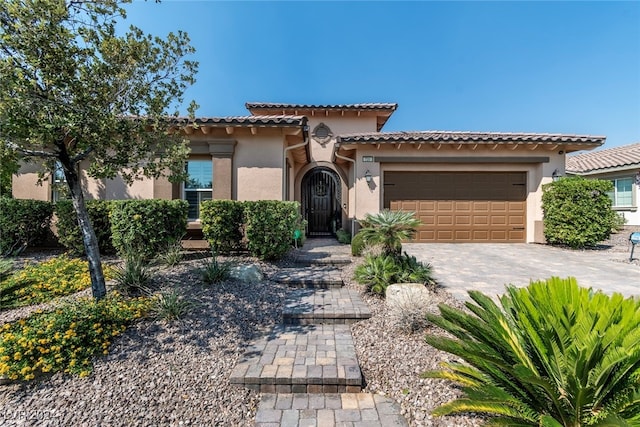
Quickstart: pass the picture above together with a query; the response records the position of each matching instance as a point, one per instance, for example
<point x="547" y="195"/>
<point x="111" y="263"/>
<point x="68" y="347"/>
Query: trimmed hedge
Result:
<point x="270" y="225"/>
<point x="222" y="225"/>
<point x="146" y="228"/>
<point x="577" y="211"/>
<point x="23" y="223"/>
<point x="69" y="234"/>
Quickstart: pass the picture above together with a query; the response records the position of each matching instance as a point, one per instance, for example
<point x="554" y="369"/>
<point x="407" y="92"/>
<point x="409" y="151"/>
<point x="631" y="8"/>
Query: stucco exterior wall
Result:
<point x="258" y="168"/>
<point x="338" y="125"/>
<point x="24" y="183"/>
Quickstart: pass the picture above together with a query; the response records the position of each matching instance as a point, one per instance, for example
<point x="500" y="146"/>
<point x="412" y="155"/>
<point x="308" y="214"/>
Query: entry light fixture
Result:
<point x="367" y="176"/>
<point x="555" y="175"/>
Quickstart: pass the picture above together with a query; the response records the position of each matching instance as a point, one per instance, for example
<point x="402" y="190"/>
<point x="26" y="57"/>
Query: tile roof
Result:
<point x="254" y="120"/>
<point x="617" y="157"/>
<point x="281" y="106"/>
<point x="456" y="137"/>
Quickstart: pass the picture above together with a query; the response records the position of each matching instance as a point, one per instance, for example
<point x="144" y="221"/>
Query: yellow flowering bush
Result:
<point x="65" y="339"/>
<point x="44" y="281"/>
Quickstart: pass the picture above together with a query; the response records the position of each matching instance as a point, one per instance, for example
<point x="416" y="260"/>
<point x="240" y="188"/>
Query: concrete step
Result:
<point x="324" y="306"/>
<point x="328" y="409"/>
<point x="311" y="277"/>
<point x="301" y="359"/>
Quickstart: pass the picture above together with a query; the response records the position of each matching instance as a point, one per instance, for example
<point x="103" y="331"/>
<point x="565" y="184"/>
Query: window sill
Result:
<point x="625" y="208"/>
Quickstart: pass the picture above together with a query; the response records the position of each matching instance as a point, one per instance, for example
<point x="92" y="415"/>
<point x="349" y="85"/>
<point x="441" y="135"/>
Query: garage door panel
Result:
<point x="498" y="219"/>
<point x="516" y="220"/>
<point x="444" y="235"/>
<point x="444" y="220"/>
<point x="426" y="235"/>
<point x="481" y="219"/>
<point x="463" y="219"/>
<point x="461" y="207"/>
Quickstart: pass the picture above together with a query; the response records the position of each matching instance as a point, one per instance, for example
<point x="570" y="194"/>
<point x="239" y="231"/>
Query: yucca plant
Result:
<point x="552" y="354"/>
<point x="376" y="272"/>
<point x="134" y="277"/>
<point x="170" y="305"/>
<point x="389" y="229"/>
<point x="172" y="255"/>
<point x="214" y="271"/>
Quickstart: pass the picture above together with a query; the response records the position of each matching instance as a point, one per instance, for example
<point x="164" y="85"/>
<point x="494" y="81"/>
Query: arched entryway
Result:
<point x="321" y="201"/>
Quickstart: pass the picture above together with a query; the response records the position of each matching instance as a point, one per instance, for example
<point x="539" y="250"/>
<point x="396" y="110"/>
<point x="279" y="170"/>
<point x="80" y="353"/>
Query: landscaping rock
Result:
<point x="250" y="273"/>
<point x="401" y="293"/>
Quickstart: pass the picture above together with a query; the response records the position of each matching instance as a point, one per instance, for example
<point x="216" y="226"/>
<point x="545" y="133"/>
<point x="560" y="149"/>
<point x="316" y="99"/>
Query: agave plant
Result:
<point x="552" y="354"/>
<point x="388" y="229"/>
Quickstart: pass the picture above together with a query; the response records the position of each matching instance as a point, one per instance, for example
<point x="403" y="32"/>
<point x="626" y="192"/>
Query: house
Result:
<point x="336" y="161"/>
<point x="621" y="166"/>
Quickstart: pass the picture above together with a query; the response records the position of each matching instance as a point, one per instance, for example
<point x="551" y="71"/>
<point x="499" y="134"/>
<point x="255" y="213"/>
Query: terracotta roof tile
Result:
<point x="254" y="120"/>
<point x="455" y="137"/>
<point x="617" y="157"/>
<point x="281" y="106"/>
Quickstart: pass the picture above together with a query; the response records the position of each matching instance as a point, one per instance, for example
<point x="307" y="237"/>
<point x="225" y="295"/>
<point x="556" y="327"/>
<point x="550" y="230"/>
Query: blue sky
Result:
<point x="553" y="67"/>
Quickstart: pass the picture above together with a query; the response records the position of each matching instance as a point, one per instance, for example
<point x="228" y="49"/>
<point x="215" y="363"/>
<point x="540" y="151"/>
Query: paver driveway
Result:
<point x="488" y="267"/>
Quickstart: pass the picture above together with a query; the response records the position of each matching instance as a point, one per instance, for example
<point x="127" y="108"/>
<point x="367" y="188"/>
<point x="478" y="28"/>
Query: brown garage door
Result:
<point x="461" y="207"/>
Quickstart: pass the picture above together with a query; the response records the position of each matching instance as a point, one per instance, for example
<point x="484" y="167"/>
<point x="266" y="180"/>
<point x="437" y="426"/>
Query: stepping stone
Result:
<point x="301" y="359"/>
<point x="324" y="306"/>
<point x="328" y="409"/>
<point x="312" y="277"/>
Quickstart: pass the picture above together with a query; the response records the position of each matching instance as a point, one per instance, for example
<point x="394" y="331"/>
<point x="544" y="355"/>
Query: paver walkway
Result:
<point x="307" y="368"/>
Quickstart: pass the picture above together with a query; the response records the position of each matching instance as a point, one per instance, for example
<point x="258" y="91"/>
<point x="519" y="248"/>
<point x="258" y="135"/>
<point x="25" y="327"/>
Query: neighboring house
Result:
<point x="621" y="166"/>
<point x="334" y="160"/>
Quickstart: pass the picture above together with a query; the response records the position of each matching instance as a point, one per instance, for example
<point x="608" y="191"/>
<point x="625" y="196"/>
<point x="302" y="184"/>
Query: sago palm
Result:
<point x="552" y="354"/>
<point x="388" y="229"/>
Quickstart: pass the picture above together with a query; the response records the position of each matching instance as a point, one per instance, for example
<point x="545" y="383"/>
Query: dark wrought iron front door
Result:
<point x="321" y="198"/>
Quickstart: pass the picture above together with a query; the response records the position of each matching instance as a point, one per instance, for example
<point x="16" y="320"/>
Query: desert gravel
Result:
<point x="176" y="374"/>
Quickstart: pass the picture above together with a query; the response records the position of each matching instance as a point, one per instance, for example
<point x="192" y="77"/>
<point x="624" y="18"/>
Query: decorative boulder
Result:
<point x="246" y="273"/>
<point x="401" y="293"/>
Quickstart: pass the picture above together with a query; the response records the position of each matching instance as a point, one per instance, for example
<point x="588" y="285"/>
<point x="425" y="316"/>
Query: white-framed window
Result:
<point x="199" y="185"/>
<point x="622" y="194"/>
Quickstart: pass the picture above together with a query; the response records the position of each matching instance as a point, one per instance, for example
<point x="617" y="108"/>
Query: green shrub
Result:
<point x="215" y="272"/>
<point x="378" y="272"/>
<point x="357" y="245"/>
<point x="69" y="233"/>
<point x="388" y="229"/>
<point x="269" y="227"/>
<point x="577" y="211"/>
<point x="170" y="306"/>
<point x="552" y="354"/>
<point x="66" y="339"/>
<point x="222" y="225"/>
<point x="343" y="237"/>
<point x="23" y="223"/>
<point x="146" y="227"/>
